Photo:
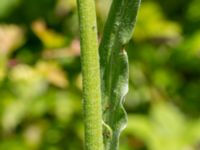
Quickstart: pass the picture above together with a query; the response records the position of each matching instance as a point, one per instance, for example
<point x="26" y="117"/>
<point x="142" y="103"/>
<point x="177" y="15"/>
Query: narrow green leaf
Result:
<point x="114" y="68"/>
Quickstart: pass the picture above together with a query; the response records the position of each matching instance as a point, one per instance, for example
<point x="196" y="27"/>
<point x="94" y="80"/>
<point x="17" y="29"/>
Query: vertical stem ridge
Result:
<point x="91" y="75"/>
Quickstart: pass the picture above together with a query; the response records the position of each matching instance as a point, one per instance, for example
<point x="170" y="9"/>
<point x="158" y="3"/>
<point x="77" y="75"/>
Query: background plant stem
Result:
<point x="91" y="75"/>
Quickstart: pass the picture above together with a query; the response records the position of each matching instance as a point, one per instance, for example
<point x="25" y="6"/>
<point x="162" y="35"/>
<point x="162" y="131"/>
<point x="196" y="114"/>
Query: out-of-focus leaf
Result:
<point x="14" y="114"/>
<point x="65" y="6"/>
<point x="6" y="6"/>
<point x="49" y="38"/>
<point x="102" y="7"/>
<point x="52" y="72"/>
<point x="166" y="80"/>
<point x="165" y="128"/>
<point x="3" y="61"/>
<point x="28" y="85"/>
<point x="64" y="53"/>
<point x="152" y="24"/>
<point x="139" y="90"/>
<point x="139" y="126"/>
<point x="78" y="82"/>
<point x="66" y="106"/>
<point x="23" y="76"/>
<point x="187" y="55"/>
<point x="15" y="143"/>
<point x="193" y="13"/>
<point x="11" y="37"/>
<point x="33" y="135"/>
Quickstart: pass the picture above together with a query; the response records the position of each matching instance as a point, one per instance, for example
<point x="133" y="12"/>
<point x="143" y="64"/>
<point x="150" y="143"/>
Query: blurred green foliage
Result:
<point x="40" y="76"/>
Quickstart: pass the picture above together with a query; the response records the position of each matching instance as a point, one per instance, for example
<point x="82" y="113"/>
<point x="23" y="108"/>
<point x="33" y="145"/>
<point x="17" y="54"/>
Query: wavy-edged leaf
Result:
<point x="114" y="68"/>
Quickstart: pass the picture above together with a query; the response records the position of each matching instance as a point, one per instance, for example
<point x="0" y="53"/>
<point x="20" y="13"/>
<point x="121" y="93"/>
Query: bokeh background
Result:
<point x="40" y="76"/>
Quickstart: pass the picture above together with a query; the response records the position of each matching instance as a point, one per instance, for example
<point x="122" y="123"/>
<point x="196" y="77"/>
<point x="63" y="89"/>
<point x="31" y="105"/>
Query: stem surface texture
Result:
<point x="91" y="75"/>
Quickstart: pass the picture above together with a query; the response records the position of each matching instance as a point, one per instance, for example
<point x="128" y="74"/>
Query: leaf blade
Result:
<point x="114" y="67"/>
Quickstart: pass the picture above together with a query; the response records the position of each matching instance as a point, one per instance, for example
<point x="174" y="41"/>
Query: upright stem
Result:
<point x="91" y="75"/>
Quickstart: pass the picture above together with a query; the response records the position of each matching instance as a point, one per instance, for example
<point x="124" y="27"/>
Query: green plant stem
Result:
<point x="91" y="75"/>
